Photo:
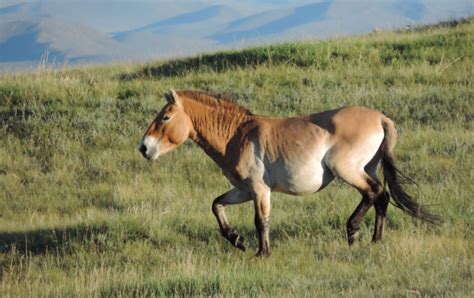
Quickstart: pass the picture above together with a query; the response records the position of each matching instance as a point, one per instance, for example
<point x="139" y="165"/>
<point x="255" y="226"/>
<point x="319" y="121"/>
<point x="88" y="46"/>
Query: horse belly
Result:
<point x="301" y="178"/>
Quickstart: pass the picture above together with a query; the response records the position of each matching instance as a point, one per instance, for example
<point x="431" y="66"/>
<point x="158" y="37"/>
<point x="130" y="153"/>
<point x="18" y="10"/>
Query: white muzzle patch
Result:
<point x="152" y="147"/>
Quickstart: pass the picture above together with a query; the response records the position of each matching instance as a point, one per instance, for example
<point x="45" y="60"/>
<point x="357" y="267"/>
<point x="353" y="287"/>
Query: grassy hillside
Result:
<point x="83" y="213"/>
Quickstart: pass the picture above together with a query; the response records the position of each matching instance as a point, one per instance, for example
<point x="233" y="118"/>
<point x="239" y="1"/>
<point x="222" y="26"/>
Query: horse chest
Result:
<point x="234" y="178"/>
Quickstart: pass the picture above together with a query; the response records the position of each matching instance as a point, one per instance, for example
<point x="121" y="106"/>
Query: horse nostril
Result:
<point x="142" y="149"/>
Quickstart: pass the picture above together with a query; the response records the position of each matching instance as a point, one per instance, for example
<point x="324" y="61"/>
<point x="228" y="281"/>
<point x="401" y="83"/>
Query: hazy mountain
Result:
<point x="183" y="34"/>
<point x="110" y="30"/>
<point x="22" y="41"/>
<point x="272" y="22"/>
<point x="103" y="15"/>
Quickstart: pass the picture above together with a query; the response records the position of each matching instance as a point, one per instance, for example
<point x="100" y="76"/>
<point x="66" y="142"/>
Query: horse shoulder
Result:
<point x="242" y="151"/>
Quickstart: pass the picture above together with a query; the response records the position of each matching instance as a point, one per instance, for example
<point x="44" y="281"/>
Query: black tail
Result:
<point x="394" y="178"/>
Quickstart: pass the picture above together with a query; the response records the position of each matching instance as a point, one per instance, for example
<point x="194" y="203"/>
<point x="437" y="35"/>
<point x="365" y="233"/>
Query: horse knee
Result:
<point x="217" y="207"/>
<point x="262" y="208"/>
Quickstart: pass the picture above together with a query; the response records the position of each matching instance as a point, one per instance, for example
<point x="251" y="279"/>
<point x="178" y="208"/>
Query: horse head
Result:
<point x="168" y="130"/>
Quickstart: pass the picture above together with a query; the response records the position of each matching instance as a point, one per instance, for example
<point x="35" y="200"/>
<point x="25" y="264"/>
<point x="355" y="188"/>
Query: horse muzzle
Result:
<point x="142" y="149"/>
<point x="149" y="148"/>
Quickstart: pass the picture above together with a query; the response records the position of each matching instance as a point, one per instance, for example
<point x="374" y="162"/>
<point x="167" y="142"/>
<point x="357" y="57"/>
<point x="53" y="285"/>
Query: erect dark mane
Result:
<point x="213" y="100"/>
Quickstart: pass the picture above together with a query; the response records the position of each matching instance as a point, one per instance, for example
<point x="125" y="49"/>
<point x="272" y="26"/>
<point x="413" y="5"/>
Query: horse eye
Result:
<point x="165" y="118"/>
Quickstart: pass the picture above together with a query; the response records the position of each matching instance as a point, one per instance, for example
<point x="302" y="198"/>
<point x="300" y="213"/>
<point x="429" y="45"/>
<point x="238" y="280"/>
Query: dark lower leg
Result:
<point x="262" y="222"/>
<point x="262" y="226"/>
<point x="353" y="224"/>
<point x="231" y="197"/>
<point x="380" y="205"/>
<point x="227" y="231"/>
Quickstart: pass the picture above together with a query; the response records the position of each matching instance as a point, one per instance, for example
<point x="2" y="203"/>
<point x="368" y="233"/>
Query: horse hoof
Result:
<point x="351" y="239"/>
<point x="262" y="254"/>
<point x="239" y="243"/>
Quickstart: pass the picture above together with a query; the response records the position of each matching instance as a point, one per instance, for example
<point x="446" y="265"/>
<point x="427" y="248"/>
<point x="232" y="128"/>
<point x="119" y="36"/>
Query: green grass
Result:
<point x="82" y="213"/>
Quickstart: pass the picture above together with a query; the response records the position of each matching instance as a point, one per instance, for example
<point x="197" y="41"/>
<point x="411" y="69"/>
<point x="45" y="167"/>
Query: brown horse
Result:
<point x="297" y="156"/>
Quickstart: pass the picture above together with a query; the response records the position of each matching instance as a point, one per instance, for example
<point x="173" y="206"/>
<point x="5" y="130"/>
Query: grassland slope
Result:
<point x="83" y="214"/>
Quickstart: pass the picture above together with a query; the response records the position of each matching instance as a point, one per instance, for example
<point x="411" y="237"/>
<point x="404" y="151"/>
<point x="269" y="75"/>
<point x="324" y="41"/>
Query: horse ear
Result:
<point x="173" y="98"/>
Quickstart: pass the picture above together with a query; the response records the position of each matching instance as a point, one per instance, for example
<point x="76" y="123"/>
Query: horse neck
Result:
<point x="213" y="128"/>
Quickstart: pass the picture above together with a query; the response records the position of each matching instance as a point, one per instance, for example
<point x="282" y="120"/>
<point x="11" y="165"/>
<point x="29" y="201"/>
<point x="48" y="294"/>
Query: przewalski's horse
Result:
<point x="297" y="156"/>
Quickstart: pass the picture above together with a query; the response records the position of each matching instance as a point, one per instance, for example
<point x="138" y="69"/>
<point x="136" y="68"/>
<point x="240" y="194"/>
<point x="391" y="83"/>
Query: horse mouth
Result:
<point x="153" y="155"/>
<point x="150" y="154"/>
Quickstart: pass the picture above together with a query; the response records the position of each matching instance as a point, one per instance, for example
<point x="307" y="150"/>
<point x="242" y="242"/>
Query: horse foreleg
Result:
<point x="262" y="222"/>
<point x="234" y="196"/>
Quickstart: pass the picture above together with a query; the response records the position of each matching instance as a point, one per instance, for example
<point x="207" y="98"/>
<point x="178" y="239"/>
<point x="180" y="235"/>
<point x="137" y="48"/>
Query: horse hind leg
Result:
<point x="371" y="191"/>
<point x="369" y="187"/>
<point x="381" y="199"/>
<point x="362" y="176"/>
<point x="234" y="196"/>
<point x="380" y="206"/>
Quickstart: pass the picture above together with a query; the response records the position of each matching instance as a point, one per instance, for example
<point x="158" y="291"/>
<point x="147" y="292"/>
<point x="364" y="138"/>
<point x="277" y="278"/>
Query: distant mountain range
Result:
<point x="77" y="32"/>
